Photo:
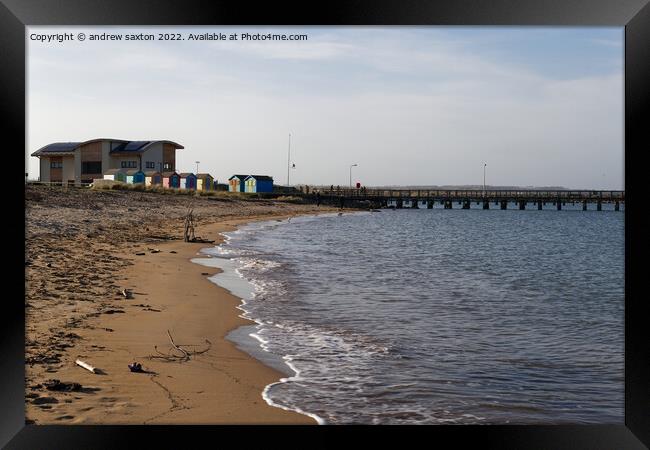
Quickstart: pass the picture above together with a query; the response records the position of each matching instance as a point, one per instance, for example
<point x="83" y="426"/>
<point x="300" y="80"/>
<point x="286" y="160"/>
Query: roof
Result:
<point x="187" y="174"/>
<point x="124" y="146"/>
<point x="58" y="147"/>
<point x="133" y="171"/>
<point x="241" y="177"/>
<point x="150" y="173"/>
<point x="203" y="175"/>
<point x="114" y="171"/>
<point x="261" y="177"/>
<point x="168" y="174"/>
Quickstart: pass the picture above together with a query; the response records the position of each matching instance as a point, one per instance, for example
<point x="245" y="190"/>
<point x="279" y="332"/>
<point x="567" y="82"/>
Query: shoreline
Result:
<point x="244" y="336"/>
<point x="224" y="385"/>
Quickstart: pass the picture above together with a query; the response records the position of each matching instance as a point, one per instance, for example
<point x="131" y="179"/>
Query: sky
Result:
<point x="540" y="106"/>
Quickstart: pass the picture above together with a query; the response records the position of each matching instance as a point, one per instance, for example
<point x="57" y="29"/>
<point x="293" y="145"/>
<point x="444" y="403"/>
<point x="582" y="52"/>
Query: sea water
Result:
<point x="419" y="316"/>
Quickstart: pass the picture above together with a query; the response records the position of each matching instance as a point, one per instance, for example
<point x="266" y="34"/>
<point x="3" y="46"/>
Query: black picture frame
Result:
<point x="634" y="15"/>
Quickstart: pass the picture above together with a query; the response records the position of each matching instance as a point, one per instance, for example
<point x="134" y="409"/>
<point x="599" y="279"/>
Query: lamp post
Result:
<point x="351" y="166"/>
<point x="197" y="166"/>
<point x="484" y="166"/>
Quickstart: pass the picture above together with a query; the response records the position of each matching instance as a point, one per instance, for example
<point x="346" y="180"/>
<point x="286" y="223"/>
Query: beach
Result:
<point x="83" y="248"/>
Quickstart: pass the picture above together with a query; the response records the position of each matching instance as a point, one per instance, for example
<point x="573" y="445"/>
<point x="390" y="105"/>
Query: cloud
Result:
<point x="408" y="105"/>
<point x="613" y="43"/>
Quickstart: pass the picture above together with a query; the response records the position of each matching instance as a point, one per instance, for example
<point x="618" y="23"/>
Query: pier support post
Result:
<point x="584" y="205"/>
<point x="522" y="205"/>
<point x="448" y="204"/>
<point x="559" y="205"/>
<point x="504" y="204"/>
<point x="486" y="204"/>
<point x="466" y="204"/>
<point x="617" y="206"/>
<point x="429" y="204"/>
<point x="415" y="204"/>
<point x="599" y="206"/>
<point x="539" y="206"/>
<point x="399" y="204"/>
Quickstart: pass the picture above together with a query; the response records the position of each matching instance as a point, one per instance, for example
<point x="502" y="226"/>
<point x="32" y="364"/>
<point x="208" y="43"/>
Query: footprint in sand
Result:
<point x="44" y="400"/>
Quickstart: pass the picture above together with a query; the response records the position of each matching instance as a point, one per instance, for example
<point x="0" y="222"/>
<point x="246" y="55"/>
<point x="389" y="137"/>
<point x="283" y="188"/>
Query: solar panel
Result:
<point x="135" y="145"/>
<point x="61" y="147"/>
<point x="117" y="147"/>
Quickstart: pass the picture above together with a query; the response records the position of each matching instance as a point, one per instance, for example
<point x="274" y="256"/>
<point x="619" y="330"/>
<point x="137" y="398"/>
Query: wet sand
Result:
<point x="74" y="310"/>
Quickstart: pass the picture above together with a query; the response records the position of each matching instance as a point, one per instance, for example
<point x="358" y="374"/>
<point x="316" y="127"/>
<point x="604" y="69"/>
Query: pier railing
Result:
<point x="477" y="194"/>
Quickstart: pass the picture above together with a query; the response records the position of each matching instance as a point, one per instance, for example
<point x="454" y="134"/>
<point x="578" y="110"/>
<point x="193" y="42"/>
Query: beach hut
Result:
<point x="204" y="182"/>
<point x="115" y="175"/>
<point x="236" y="183"/>
<point x="258" y="183"/>
<point x="134" y="176"/>
<point x="152" y="177"/>
<point x="188" y="180"/>
<point x="171" y="180"/>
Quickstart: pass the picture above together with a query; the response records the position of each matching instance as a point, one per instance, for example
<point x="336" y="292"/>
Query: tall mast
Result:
<point x="289" y="160"/>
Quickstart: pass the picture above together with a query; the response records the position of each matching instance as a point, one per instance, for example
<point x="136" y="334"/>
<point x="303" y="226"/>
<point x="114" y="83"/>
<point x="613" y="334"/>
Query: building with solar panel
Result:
<point x="82" y="162"/>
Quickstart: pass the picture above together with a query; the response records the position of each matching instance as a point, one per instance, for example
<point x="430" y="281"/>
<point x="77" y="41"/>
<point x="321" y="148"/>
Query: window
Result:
<point x="91" y="167"/>
<point x="129" y="164"/>
<point x="150" y="165"/>
<point x="56" y="164"/>
<point x="167" y="166"/>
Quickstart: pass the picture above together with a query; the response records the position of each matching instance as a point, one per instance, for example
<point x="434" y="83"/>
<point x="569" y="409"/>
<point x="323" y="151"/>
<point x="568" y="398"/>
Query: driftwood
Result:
<point x="56" y="385"/>
<point x="163" y="238"/>
<point x="85" y="365"/>
<point x="200" y="239"/>
<point x="177" y="352"/>
<point x="185" y="354"/>
<point x="188" y="233"/>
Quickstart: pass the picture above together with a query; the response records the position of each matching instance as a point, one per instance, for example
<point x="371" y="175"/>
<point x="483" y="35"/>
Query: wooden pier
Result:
<point x="498" y="199"/>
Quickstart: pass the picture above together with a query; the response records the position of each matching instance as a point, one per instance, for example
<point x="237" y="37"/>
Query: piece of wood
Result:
<point x="85" y="365"/>
<point x="185" y="354"/>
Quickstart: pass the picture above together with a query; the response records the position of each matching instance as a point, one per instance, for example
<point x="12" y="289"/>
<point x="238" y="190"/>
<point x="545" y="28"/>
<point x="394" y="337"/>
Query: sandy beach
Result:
<point x="83" y="247"/>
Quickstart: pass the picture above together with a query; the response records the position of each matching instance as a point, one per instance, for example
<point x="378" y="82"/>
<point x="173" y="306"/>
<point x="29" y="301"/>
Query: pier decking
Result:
<point x="463" y="197"/>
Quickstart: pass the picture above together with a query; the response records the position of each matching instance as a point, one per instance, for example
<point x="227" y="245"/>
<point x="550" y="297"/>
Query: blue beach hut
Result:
<point x="236" y="183"/>
<point x="171" y="180"/>
<point x="152" y="177"/>
<point x="134" y="176"/>
<point x="204" y="182"/>
<point x="258" y="183"/>
<point x="188" y="180"/>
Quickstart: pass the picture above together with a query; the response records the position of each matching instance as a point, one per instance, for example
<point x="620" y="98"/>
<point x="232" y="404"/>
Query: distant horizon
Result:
<point x="538" y="105"/>
<point x="430" y="186"/>
<point x="468" y="187"/>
